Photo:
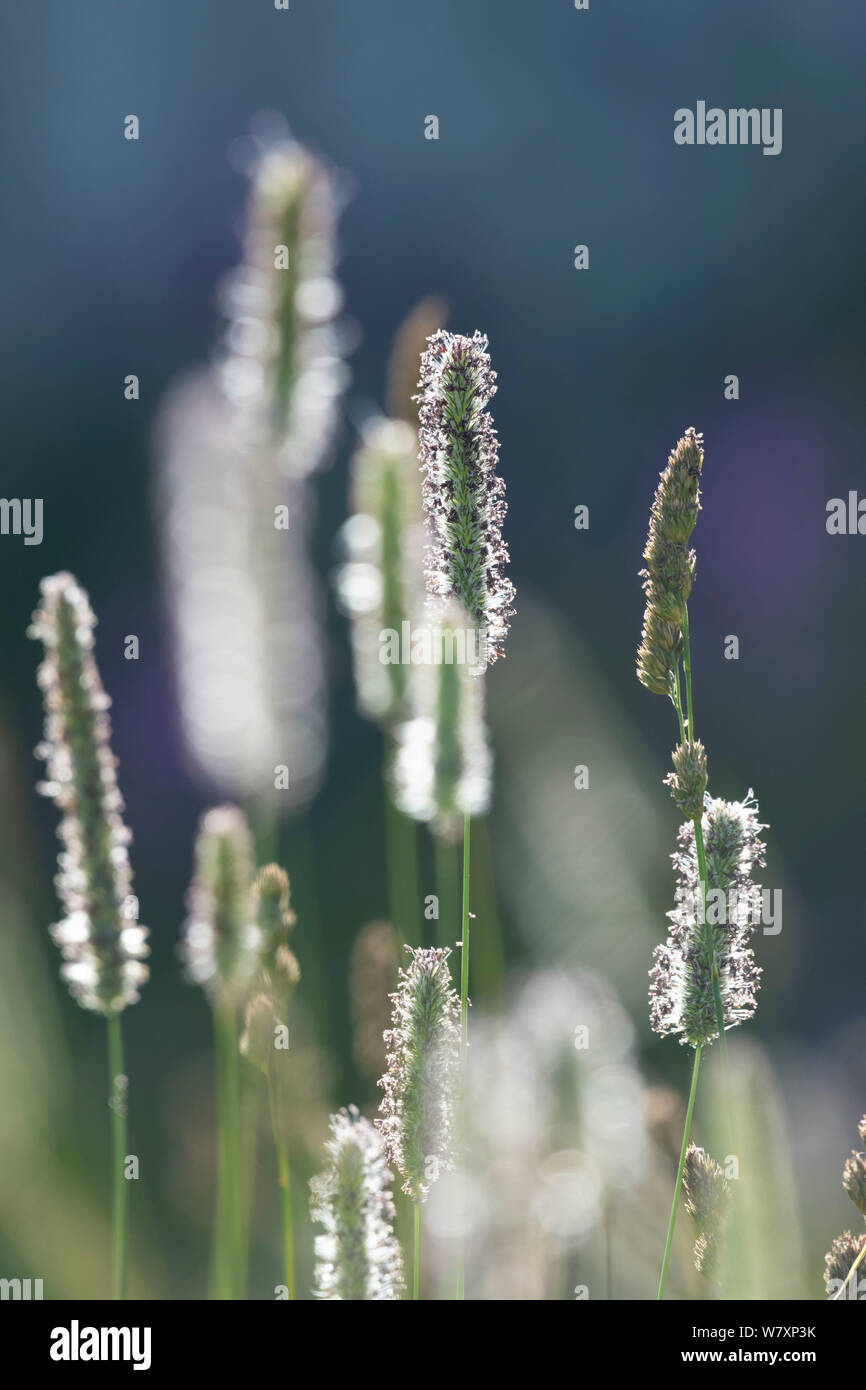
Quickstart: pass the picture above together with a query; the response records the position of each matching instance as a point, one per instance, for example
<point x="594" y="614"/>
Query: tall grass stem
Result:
<point x="687" y="1129"/>
<point x="120" y="1195"/>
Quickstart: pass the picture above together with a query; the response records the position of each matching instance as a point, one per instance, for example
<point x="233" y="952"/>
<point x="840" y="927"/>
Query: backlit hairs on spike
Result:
<point x="423" y="1056"/>
<point x="101" y="943"/>
<point x="358" y="1258"/>
<point x="464" y="497"/>
<point x="681" y="994"/>
<point x="220" y="938"/>
<point x="380" y="586"/>
<point x="670" y="565"/>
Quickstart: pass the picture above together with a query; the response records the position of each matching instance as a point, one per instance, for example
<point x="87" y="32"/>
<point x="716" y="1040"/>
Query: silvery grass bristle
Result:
<point x="220" y="937"/>
<point x="358" y="1258"/>
<point x="419" y="1084"/>
<point x="102" y="947"/>
<point x="464" y="496"/>
<point x="846" y="1254"/>
<point x="381" y="584"/>
<point x="707" y="1199"/>
<point x="681" y="989"/>
<point x="442" y="763"/>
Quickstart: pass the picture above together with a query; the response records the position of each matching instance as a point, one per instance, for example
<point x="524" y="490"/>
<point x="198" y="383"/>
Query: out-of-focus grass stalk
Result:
<point x="447" y="890"/>
<point x="401" y="857"/>
<point x="687" y="1129"/>
<point x="284" y="1178"/>
<point x="464" y="939"/>
<point x="416" y="1251"/>
<point x="227" y="1234"/>
<point x="120" y="1199"/>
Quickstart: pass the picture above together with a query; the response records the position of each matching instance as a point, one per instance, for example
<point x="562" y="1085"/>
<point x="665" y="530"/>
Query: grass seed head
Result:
<point x="381" y="585"/>
<point x="854" y="1180"/>
<point x="688" y="781"/>
<point x="681" y="992"/>
<point x="670" y="565"/>
<point x="839" y="1259"/>
<point x="419" y="1084"/>
<point x="464" y="496"/>
<point x="707" y="1200"/>
<point x="220" y="935"/>
<point x="102" y="944"/>
<point x="358" y="1257"/>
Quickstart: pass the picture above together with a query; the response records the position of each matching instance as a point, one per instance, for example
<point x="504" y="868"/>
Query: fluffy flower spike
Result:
<point x="419" y="1085"/>
<point x="464" y="497"/>
<point x="358" y="1258"/>
<point x="102" y="944"/>
<point x="681" y="994"/>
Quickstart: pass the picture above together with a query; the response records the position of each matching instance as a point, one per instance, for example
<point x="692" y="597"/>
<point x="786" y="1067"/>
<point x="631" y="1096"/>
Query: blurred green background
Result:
<point x="555" y="129"/>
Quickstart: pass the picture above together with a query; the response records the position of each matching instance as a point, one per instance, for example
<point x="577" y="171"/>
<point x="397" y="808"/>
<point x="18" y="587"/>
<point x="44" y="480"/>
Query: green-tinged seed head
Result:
<point x="358" y="1258"/>
<point x="101" y="941"/>
<point x="381" y="584"/>
<point x="854" y="1180"/>
<point x="688" y="781"/>
<point x="220" y="935"/>
<point x="707" y="1200"/>
<point x="275" y="921"/>
<point x="670" y="565"/>
<point x="839" y="1259"/>
<point x="424" y="1044"/>
<point x="261" y="1023"/>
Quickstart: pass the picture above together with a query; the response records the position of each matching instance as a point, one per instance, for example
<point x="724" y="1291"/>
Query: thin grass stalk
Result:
<point x="401" y="852"/>
<point x="687" y="1130"/>
<point x="416" y="1251"/>
<point x="464" y="1015"/>
<point x="120" y="1195"/>
<point x="284" y="1178"/>
<point x="447" y="890"/>
<point x="227" y="1062"/>
<point x="464" y="939"/>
